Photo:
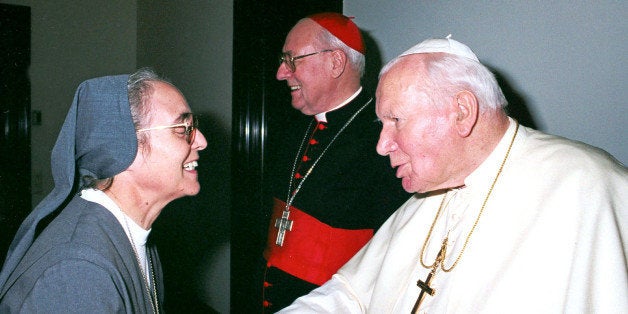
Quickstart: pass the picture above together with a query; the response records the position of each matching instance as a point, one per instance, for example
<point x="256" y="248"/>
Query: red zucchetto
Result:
<point x="342" y="27"/>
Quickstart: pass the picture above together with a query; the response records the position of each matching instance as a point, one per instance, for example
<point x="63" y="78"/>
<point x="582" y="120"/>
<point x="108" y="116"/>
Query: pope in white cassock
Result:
<point x="506" y="219"/>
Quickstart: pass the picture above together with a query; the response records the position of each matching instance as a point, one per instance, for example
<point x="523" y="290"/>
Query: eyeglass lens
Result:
<point x="284" y="57"/>
<point x="190" y="130"/>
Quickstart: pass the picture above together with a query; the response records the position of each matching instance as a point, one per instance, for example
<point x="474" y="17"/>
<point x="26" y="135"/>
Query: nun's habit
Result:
<point x="82" y="261"/>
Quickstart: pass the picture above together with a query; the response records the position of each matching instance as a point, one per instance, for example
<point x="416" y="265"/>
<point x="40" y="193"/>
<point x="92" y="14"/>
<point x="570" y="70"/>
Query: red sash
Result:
<point x="312" y="251"/>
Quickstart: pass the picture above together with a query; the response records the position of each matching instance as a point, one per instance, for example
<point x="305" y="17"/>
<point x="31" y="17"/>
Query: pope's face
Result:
<point x="416" y="133"/>
<point x="167" y="169"/>
<point x="310" y="82"/>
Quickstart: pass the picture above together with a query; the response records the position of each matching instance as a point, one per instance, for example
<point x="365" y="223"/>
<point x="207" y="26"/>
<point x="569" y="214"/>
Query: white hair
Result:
<point x="449" y="74"/>
<point x="354" y="57"/>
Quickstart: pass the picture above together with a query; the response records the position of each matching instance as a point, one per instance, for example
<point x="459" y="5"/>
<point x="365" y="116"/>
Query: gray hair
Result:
<point x="354" y="58"/>
<point x="140" y="88"/>
<point x="449" y="74"/>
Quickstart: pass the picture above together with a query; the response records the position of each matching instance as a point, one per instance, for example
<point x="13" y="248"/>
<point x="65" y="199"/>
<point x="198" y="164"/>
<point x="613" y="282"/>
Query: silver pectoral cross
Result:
<point x="283" y="224"/>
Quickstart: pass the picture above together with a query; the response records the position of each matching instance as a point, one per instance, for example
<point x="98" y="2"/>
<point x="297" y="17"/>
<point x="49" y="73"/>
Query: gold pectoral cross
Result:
<point x="283" y="224"/>
<point x="425" y="285"/>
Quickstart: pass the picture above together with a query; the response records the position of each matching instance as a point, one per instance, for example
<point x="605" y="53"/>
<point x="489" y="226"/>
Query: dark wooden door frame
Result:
<point x="15" y="152"/>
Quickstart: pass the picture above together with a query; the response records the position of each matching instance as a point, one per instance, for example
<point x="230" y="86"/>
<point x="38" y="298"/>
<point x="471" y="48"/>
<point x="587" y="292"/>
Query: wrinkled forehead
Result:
<point x="405" y="74"/>
<point x="404" y="83"/>
<point x="168" y="103"/>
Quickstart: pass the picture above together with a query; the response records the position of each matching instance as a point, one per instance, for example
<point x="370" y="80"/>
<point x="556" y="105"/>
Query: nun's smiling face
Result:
<point x="167" y="169"/>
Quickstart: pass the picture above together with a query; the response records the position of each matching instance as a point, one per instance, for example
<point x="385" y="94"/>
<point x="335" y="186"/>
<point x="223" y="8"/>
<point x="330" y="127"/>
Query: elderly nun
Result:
<point x="129" y="146"/>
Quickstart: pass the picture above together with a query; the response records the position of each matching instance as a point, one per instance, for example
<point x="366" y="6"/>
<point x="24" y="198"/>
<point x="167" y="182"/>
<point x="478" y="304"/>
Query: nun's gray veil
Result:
<point x="97" y="139"/>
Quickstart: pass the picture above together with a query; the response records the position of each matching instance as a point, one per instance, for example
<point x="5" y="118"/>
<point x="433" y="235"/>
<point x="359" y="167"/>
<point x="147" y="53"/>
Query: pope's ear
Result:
<point x="339" y="62"/>
<point x="466" y="112"/>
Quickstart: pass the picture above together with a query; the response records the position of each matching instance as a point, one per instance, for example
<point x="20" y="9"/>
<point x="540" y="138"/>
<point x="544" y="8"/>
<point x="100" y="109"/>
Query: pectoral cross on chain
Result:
<point x="425" y="285"/>
<point x="283" y="224"/>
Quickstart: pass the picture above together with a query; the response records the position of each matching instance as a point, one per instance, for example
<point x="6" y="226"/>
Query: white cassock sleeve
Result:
<point x="351" y="289"/>
<point x="335" y="296"/>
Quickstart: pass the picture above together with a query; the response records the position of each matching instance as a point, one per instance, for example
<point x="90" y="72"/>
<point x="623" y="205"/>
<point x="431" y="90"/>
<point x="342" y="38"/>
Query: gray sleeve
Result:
<point x="74" y="286"/>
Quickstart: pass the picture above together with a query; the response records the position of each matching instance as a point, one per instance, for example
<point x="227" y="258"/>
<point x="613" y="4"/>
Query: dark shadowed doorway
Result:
<point x="15" y="152"/>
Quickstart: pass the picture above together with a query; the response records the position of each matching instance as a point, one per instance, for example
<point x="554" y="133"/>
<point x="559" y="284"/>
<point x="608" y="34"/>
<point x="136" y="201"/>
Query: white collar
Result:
<point x="136" y="234"/>
<point x="322" y="117"/>
<point x="96" y="196"/>
<point x="485" y="172"/>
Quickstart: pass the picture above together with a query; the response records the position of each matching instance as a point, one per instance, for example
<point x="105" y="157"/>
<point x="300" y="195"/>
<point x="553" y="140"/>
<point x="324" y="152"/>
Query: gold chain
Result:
<point x="440" y="208"/>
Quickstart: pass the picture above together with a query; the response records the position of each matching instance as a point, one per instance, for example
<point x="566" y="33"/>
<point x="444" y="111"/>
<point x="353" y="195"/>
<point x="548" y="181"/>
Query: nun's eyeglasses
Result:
<point x="285" y="57"/>
<point x="188" y="128"/>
